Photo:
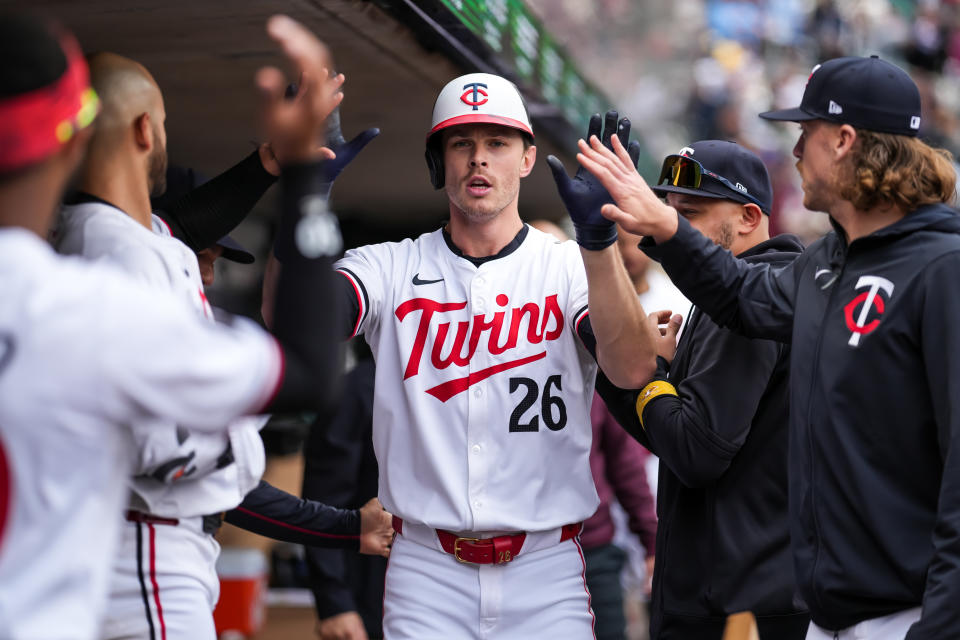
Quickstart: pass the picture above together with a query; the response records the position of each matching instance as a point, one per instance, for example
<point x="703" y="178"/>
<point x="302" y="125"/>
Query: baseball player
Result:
<point x="721" y="429"/>
<point x="86" y="351"/>
<point x="484" y="378"/>
<point x="869" y="311"/>
<point x="179" y="478"/>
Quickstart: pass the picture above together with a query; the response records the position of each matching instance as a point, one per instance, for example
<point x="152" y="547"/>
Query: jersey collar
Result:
<point x="82" y="197"/>
<point x="511" y="246"/>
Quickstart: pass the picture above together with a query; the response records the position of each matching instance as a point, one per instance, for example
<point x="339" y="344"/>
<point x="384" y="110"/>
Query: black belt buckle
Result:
<point x="212" y="522"/>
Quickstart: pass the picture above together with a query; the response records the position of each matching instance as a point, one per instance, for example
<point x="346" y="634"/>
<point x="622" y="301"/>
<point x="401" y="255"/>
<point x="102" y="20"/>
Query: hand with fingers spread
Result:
<point x="295" y="125"/>
<point x="583" y="195"/>
<point x="637" y="208"/>
<point x="344" y="151"/>
<point x="665" y="336"/>
<point x="376" y="529"/>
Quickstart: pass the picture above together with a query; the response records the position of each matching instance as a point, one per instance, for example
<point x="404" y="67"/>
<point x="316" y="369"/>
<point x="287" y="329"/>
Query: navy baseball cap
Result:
<point x="233" y="250"/>
<point x="726" y="171"/>
<point x="867" y="93"/>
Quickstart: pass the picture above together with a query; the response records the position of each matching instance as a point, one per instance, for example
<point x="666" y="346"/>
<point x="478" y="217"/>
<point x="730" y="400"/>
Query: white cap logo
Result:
<point x="834" y="108"/>
<point x="686" y="151"/>
<point x="914" y="122"/>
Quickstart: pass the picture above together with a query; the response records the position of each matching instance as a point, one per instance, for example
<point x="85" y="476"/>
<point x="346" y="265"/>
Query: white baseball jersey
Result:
<point x="481" y="417"/>
<point x="171" y="462"/>
<point x="84" y="351"/>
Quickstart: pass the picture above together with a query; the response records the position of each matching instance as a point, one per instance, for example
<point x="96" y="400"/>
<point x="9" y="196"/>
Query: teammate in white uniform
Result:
<point x="165" y="582"/>
<point x="483" y="387"/>
<point x="85" y="351"/>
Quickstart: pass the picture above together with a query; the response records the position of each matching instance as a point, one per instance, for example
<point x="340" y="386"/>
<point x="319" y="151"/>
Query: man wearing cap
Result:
<point x="86" y="351"/>
<point x="870" y="311"/>
<point x="719" y="425"/>
<point x="484" y="379"/>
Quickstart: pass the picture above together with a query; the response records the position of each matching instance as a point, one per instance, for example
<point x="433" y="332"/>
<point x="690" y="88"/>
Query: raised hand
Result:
<point x="343" y="151"/>
<point x="295" y="125"/>
<point x="665" y="336"/>
<point x="583" y="195"/>
<point x="636" y="207"/>
<point x="376" y="529"/>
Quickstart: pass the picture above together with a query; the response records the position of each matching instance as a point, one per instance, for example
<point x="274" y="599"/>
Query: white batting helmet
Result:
<point x="473" y="98"/>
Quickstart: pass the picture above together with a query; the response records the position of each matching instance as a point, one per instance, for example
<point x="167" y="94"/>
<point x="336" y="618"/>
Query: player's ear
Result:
<point x="750" y="217"/>
<point x="529" y="159"/>
<point x="844" y="140"/>
<point x="143" y="131"/>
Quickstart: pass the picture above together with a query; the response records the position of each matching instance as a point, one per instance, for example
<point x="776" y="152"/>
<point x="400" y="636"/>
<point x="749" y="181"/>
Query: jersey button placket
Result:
<point x="478" y="409"/>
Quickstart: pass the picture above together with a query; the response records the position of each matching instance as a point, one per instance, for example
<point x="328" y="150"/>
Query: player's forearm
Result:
<point x="307" y="315"/>
<point x="625" y="349"/>
<point x="755" y="300"/>
<point x="276" y="514"/>
<point x="212" y="210"/>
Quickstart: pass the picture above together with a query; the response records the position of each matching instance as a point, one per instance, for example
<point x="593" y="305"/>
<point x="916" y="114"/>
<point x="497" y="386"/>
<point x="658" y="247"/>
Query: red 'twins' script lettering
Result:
<point x="542" y="324"/>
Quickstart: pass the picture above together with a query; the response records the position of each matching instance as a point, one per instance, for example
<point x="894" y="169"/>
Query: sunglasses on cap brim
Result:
<point x="685" y="172"/>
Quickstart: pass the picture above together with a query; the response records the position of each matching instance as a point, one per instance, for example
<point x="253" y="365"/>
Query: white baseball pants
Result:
<point x="892" y="627"/>
<point x="540" y="594"/>
<point x="164" y="584"/>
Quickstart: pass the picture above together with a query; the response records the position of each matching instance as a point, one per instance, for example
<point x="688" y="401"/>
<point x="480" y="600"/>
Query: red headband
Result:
<point x="34" y="125"/>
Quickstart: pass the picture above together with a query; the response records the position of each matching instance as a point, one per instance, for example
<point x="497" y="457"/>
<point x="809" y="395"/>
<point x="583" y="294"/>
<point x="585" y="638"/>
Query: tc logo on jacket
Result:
<point x="871" y="306"/>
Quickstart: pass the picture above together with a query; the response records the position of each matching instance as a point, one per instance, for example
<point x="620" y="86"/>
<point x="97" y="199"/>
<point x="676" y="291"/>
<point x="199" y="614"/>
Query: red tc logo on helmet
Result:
<point x="866" y="301"/>
<point x="472" y="93"/>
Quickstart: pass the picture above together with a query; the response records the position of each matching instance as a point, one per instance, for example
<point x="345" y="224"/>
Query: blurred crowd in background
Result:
<point x="703" y="69"/>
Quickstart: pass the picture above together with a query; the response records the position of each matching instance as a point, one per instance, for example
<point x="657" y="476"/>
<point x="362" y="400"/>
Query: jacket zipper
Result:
<point x="816" y="366"/>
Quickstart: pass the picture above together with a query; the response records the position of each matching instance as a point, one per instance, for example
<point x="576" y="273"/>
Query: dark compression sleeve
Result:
<point x="215" y="208"/>
<point x="308" y="318"/>
<point x="279" y="515"/>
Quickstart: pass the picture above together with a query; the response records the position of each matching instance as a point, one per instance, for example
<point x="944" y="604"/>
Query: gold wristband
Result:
<point x="651" y="391"/>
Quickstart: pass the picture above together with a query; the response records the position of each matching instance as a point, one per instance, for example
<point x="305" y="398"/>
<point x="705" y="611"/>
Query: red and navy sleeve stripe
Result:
<point x="357" y="299"/>
<point x="583" y="329"/>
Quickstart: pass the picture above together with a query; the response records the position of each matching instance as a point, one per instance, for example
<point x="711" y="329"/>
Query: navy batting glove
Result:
<point x="583" y="195"/>
<point x="346" y="151"/>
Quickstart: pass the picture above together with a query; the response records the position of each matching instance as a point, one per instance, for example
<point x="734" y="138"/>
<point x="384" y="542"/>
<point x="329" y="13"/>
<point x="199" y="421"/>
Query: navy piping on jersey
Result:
<point x="143" y="581"/>
<point x="512" y="246"/>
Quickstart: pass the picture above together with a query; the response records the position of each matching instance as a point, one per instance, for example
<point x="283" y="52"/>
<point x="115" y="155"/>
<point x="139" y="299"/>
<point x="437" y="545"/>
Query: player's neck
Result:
<point x="30" y="202"/>
<point x="122" y="184"/>
<point x="487" y="238"/>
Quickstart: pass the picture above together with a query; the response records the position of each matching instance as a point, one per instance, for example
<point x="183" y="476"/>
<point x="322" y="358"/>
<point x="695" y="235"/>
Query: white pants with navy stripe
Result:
<point x="164" y="584"/>
<point x="431" y="596"/>
<point x="892" y="627"/>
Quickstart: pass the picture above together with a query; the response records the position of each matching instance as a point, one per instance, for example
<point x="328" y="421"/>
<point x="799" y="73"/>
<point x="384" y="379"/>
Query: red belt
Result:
<point x="149" y="518"/>
<point x="498" y="550"/>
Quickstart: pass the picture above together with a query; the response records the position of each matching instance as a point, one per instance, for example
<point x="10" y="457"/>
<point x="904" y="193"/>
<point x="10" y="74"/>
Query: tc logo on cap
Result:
<point x="472" y="95"/>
